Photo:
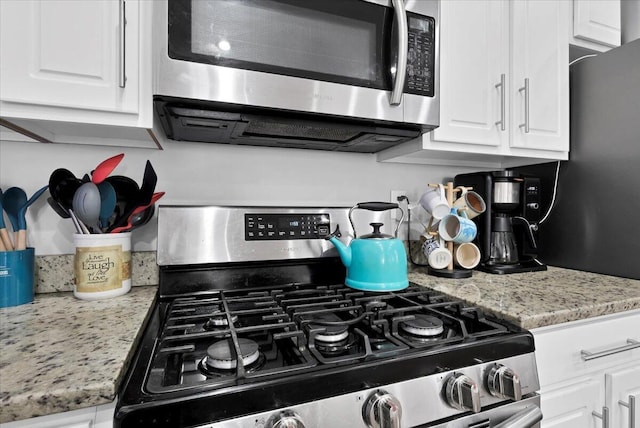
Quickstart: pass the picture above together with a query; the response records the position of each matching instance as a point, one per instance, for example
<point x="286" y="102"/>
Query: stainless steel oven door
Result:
<point x="282" y="56"/>
<point x="519" y="414"/>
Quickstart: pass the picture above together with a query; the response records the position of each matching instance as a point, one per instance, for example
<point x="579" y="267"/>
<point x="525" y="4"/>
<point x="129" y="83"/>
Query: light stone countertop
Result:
<point x="60" y="353"/>
<point x="538" y="299"/>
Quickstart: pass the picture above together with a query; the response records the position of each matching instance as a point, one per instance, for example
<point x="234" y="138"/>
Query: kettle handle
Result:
<point x="377" y="206"/>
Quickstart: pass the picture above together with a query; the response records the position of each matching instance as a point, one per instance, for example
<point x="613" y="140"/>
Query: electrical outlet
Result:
<point x="394" y="198"/>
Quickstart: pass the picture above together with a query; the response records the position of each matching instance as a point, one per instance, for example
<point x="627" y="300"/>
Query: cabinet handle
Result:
<point x="525" y="88"/>
<point x="122" y="22"/>
<point x="604" y="416"/>
<point x="503" y="101"/>
<point x="631" y="405"/>
<point x="631" y="344"/>
<point x="403" y="46"/>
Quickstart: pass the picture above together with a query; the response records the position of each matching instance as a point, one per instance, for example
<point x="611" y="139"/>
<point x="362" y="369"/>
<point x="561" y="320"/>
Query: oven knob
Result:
<point x="502" y="382"/>
<point x="462" y="393"/>
<point x="382" y="410"/>
<point x="285" y="419"/>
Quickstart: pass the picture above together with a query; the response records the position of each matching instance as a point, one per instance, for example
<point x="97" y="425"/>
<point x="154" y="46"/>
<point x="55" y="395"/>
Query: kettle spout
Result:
<point x="343" y="250"/>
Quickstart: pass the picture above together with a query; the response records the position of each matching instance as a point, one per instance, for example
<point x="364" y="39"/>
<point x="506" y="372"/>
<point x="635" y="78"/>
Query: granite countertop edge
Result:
<point x="80" y="351"/>
<point x="540" y="299"/>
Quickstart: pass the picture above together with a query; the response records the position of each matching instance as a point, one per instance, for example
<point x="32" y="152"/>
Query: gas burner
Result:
<point x="332" y="333"/>
<point x="374" y="305"/>
<point x="217" y="321"/>
<point x="333" y="349"/>
<point x="423" y="326"/>
<point x="220" y="356"/>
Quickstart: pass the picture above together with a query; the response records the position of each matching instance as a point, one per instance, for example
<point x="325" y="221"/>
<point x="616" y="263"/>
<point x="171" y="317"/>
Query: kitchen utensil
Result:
<point x="142" y="218"/>
<point x="107" y="203"/>
<point x="62" y="186"/>
<point x="132" y="220"/>
<point x="12" y="200"/>
<point x="59" y="209"/>
<point x="126" y="197"/>
<point x="80" y="226"/>
<point x="4" y="235"/>
<point x="86" y="205"/>
<point x="374" y="262"/>
<point x="105" y="168"/>
<point x="143" y="197"/>
<point x="22" y="221"/>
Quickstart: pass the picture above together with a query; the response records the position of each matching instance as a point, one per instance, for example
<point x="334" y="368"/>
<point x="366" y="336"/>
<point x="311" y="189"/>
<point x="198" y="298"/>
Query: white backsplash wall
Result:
<point x="200" y="173"/>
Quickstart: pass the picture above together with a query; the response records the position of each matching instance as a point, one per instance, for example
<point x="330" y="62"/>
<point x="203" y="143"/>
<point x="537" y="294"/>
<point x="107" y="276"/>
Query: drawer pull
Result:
<point x="631" y="344"/>
<point x="604" y="416"/>
<point x="631" y="405"/>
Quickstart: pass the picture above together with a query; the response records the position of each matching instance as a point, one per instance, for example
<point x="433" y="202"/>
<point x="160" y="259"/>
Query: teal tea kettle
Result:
<point x="374" y="262"/>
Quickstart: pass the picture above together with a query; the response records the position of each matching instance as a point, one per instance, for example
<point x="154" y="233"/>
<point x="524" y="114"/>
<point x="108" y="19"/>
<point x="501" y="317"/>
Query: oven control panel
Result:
<point x="279" y="227"/>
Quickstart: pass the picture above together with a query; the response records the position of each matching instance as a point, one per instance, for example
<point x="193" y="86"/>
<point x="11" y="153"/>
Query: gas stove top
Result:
<point x="269" y="342"/>
<point x="231" y="337"/>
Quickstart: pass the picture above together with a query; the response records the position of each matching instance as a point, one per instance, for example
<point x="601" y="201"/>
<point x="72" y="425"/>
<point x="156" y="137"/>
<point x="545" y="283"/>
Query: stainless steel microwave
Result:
<point x="350" y="75"/>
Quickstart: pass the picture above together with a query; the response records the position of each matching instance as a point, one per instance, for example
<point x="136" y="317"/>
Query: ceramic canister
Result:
<point x="102" y="265"/>
<point x="17" y="277"/>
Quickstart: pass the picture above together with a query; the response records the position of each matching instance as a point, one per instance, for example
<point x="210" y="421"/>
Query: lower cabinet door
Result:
<point x="571" y="405"/>
<point x="622" y="391"/>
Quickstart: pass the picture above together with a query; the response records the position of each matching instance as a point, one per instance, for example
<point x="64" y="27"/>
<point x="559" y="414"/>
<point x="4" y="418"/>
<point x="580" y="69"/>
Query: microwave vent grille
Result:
<point x="298" y="130"/>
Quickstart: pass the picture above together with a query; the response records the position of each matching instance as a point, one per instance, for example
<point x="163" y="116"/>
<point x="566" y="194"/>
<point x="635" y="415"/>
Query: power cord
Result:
<point x="553" y="197"/>
<point x="400" y="199"/>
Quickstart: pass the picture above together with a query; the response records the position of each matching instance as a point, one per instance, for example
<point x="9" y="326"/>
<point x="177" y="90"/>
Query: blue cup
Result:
<point x="17" y="277"/>
<point x="457" y="228"/>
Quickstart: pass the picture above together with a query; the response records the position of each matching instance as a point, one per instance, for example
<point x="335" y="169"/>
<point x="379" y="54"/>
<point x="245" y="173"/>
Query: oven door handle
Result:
<point x="526" y="418"/>
<point x="403" y="47"/>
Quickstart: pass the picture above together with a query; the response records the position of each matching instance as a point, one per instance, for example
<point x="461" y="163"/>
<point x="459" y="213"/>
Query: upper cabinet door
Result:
<point x="540" y="75"/>
<point x="597" y="21"/>
<point x="473" y="65"/>
<point x="68" y="53"/>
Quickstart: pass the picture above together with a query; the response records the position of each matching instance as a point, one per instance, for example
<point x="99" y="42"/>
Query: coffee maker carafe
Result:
<point x="507" y="231"/>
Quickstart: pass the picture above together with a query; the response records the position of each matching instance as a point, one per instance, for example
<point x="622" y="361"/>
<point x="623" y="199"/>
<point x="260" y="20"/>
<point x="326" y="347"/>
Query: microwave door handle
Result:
<point x="403" y="47"/>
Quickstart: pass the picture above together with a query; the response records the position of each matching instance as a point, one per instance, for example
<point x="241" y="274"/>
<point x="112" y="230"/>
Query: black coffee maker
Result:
<point x="507" y="231"/>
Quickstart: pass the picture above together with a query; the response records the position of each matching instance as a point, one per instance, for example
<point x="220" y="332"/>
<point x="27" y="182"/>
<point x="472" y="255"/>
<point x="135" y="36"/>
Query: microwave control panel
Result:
<point x="280" y="227"/>
<point x="421" y="55"/>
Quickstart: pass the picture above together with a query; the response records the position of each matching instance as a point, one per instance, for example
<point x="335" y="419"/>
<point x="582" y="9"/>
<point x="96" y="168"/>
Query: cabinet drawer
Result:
<point x="559" y="348"/>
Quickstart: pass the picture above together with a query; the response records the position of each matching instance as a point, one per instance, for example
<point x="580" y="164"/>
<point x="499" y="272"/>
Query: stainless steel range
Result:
<point x="253" y="327"/>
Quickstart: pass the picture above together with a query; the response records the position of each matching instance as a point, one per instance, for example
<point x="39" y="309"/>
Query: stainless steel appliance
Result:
<point x="507" y="232"/>
<point x="253" y="327"/>
<point x="597" y="191"/>
<point x="349" y="75"/>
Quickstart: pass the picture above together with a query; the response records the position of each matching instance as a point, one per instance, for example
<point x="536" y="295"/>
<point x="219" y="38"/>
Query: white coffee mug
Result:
<point x="438" y="256"/>
<point x="466" y="255"/>
<point x="435" y="202"/>
<point x="470" y="202"/>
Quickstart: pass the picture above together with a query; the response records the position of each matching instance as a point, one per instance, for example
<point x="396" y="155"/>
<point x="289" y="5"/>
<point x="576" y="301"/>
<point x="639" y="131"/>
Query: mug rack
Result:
<point x="450" y="271"/>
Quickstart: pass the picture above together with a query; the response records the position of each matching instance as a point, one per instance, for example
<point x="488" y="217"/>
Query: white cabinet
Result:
<point x="595" y="24"/>
<point x="90" y="417"/>
<point x="590" y="367"/>
<point x="80" y="70"/>
<point x="623" y="396"/>
<point x="489" y="49"/>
